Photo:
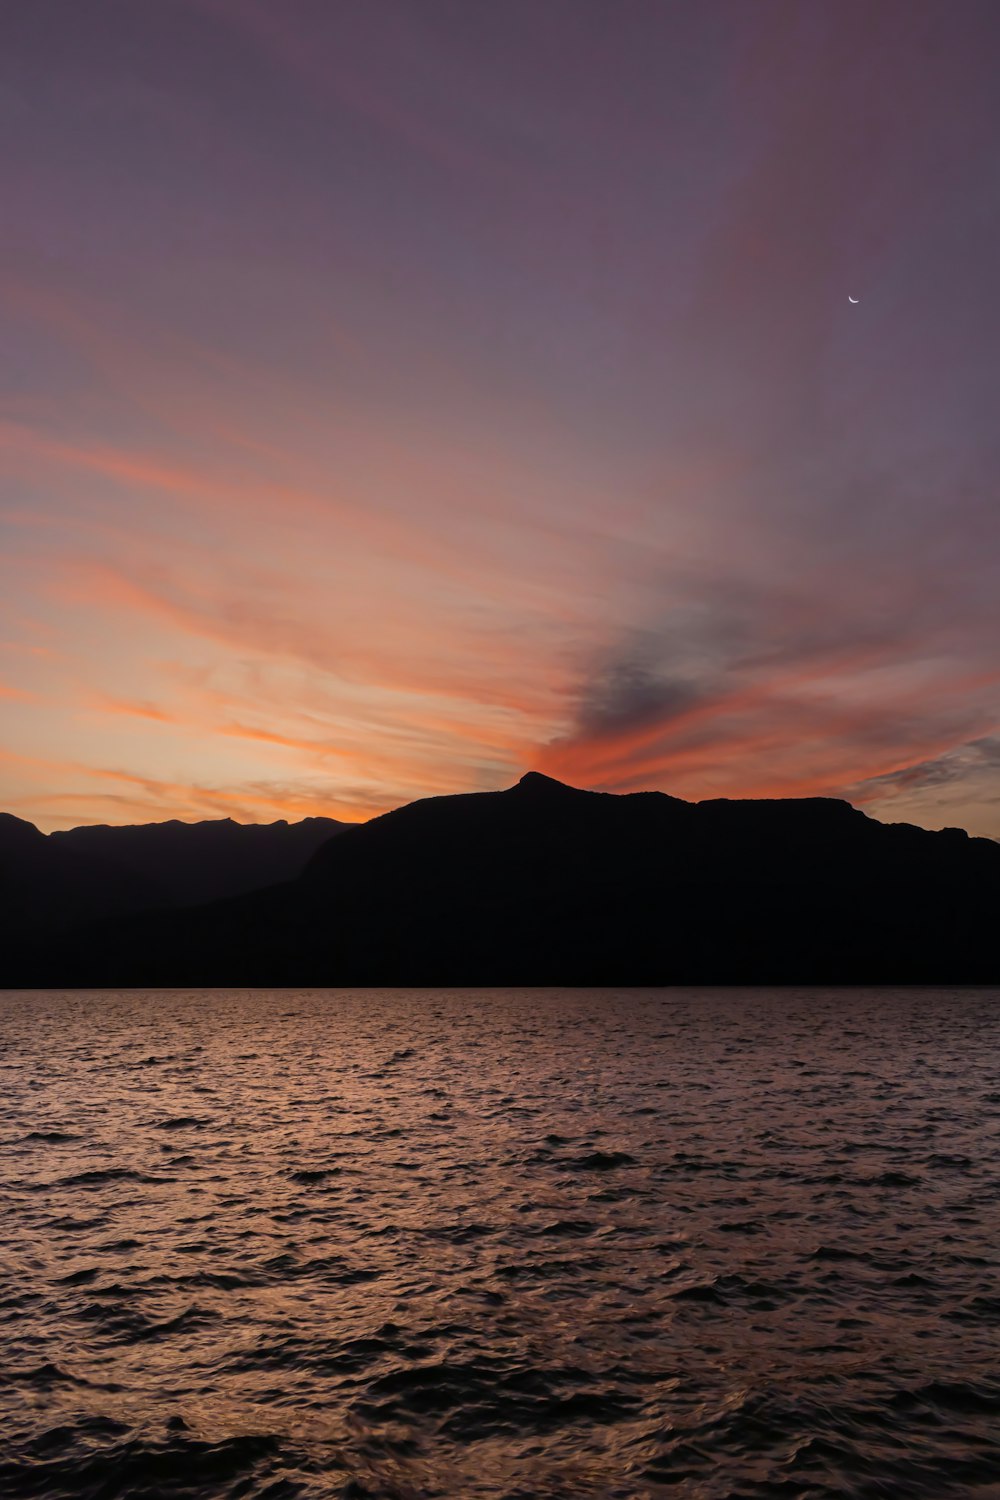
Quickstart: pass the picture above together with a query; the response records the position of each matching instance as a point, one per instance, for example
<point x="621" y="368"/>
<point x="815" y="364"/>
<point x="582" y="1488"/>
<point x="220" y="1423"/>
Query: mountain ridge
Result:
<point x="541" y="883"/>
<point x="51" y="882"/>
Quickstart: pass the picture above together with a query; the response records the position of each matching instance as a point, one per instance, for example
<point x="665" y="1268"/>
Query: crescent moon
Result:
<point x="855" y="300"/>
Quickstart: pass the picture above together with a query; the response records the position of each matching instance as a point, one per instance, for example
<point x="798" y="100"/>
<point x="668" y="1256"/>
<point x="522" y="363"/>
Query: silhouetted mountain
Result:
<point x="544" y="884"/>
<point x="45" y="887"/>
<point x="191" y="863"/>
<point x="63" y="880"/>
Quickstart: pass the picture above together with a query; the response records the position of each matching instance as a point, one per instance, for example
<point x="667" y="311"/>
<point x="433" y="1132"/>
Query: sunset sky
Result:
<point x="401" y="394"/>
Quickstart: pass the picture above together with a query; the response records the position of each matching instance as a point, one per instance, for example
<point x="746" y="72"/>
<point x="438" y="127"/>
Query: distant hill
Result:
<point x="191" y="863"/>
<point x="544" y="884"/>
<point x="50" y="883"/>
<point x="46" y="887"/>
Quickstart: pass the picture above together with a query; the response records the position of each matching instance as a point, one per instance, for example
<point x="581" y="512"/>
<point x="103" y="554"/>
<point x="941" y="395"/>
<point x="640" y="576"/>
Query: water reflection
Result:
<point x="500" y="1243"/>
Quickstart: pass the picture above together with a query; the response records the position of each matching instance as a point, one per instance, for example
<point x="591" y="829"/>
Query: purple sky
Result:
<point x="398" y="394"/>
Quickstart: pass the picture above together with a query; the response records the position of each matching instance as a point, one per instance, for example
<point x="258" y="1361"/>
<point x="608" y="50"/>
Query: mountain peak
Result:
<point x="536" y="781"/>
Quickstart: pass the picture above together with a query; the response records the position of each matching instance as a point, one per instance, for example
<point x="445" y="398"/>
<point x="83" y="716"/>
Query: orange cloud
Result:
<point x="805" y="730"/>
<point x="414" y="662"/>
<point x="103" y="703"/>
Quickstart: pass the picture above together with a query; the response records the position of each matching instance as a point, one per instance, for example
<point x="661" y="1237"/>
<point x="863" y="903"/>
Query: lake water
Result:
<point x="500" y="1243"/>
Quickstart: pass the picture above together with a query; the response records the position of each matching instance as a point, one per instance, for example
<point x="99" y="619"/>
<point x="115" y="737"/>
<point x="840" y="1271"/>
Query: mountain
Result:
<point x="55" y="882"/>
<point x="544" y="884"/>
<point x="191" y="863"/>
<point x="45" y="887"/>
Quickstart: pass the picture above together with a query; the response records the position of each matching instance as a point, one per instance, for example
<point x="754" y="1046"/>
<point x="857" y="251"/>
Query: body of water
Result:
<point x="507" y="1244"/>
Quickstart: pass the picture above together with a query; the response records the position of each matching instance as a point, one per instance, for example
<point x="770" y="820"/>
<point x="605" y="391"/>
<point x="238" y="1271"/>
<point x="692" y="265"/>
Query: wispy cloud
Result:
<point x="396" y="397"/>
<point x="104" y="703"/>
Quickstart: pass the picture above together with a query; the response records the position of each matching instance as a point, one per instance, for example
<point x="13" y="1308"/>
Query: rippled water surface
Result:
<point x="500" y="1243"/>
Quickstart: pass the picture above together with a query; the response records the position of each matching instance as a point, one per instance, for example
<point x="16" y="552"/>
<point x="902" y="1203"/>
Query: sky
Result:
<point x="397" y="395"/>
